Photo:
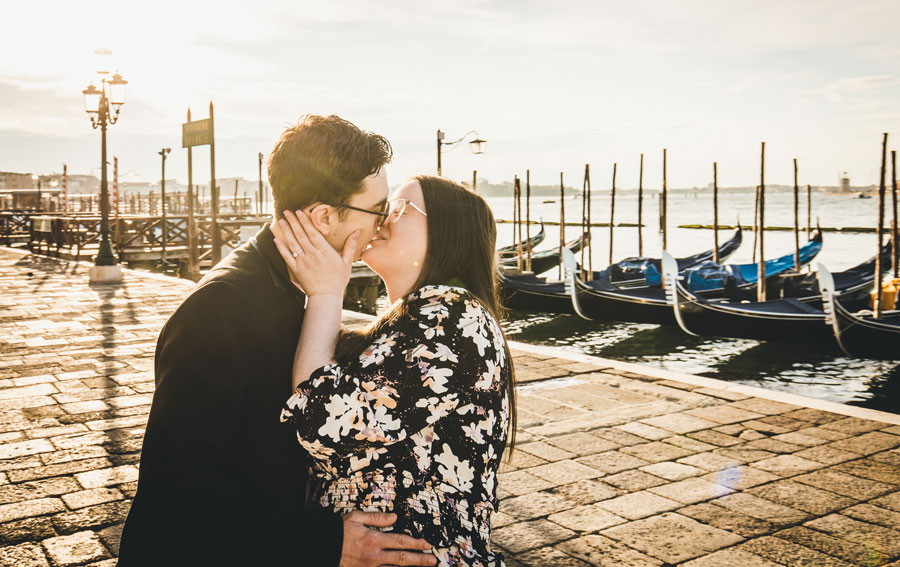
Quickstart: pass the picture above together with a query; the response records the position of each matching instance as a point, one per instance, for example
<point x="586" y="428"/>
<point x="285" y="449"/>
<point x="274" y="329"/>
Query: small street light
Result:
<point x="97" y="104"/>
<point x="476" y="145"/>
<point x="162" y="194"/>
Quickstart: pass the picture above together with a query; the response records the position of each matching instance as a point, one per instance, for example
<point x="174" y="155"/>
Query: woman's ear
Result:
<point x="323" y="218"/>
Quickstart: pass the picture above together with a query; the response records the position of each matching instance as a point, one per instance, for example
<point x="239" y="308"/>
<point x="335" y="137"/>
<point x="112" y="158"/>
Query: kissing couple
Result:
<point x="277" y="438"/>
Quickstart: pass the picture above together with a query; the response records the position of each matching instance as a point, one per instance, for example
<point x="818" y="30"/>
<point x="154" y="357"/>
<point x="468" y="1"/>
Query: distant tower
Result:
<point x="845" y="183"/>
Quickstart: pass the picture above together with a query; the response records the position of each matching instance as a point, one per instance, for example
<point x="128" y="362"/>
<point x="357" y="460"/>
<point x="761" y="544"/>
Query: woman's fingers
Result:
<point x="285" y="253"/>
<point x="316" y="237"/>
<point x="300" y="234"/>
<point x="350" y="247"/>
<point x="288" y="236"/>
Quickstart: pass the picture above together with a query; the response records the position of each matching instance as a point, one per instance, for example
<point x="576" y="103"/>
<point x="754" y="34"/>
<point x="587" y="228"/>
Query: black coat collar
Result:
<point x="264" y="243"/>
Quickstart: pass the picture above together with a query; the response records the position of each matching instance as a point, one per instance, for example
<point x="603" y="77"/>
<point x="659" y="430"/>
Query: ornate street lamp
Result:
<point x="476" y="145"/>
<point x="97" y="104"/>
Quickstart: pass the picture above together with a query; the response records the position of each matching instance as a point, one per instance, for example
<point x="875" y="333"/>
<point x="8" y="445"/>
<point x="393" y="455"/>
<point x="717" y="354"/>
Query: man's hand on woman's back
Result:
<point x="367" y="547"/>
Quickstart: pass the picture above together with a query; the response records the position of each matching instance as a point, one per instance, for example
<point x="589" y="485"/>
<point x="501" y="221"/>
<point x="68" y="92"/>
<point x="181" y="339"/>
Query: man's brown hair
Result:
<point x="323" y="159"/>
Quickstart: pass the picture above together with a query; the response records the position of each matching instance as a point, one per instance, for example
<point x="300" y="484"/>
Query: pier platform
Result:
<point x="617" y="464"/>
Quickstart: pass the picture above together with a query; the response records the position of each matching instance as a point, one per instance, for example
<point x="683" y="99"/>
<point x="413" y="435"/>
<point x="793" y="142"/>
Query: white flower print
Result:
<point x="436" y="379"/>
<point x="455" y="472"/>
<point x="378" y="350"/>
<point x="489" y="376"/>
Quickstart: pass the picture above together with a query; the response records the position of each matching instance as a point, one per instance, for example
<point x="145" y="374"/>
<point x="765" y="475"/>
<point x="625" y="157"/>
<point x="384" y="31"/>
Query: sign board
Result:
<point x="197" y="133"/>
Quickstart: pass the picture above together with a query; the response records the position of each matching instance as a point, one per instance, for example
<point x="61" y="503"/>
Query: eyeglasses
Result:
<point x="382" y="214"/>
<point x="398" y="207"/>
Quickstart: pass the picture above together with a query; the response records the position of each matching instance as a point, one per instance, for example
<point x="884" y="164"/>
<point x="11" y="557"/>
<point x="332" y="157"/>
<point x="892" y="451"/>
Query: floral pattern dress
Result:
<point x="416" y="425"/>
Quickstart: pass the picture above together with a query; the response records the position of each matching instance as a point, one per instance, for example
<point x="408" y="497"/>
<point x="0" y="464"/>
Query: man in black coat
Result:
<point x="222" y="481"/>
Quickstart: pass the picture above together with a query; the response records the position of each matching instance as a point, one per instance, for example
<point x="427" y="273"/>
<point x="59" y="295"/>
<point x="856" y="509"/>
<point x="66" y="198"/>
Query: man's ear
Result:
<point x="323" y="218"/>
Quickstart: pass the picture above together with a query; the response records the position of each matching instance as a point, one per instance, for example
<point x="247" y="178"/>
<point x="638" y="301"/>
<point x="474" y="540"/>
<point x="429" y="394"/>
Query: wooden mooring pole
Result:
<point x="640" y="221"/>
<point x="663" y="206"/>
<point x="894" y="248"/>
<point x="716" y="212"/>
<point x="796" y="220"/>
<point x="612" y="213"/>
<point x="562" y="220"/>
<point x="518" y="188"/>
<point x="879" y="269"/>
<point x="755" y="222"/>
<point x="527" y="220"/>
<point x="761" y="277"/>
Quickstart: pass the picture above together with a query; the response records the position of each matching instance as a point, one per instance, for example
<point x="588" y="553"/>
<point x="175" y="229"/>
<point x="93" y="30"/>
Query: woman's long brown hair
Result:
<point x="462" y="238"/>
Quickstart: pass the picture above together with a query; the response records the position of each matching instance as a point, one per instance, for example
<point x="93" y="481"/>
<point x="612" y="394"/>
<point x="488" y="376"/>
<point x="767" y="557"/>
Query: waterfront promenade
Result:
<point x="616" y="465"/>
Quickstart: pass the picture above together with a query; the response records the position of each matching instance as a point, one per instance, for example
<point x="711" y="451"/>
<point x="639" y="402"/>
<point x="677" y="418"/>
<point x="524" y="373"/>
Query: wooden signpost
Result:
<point x="202" y="133"/>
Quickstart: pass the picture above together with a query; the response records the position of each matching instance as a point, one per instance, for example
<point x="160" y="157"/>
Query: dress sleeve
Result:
<point x="427" y="366"/>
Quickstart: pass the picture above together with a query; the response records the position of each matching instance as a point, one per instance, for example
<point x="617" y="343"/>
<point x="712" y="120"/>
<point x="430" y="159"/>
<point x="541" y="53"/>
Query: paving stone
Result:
<point x="774" y="446"/>
<point x="29" y="529"/>
<point x="30" y="508"/>
<point x="822" y="433"/>
<point x="522" y="482"/>
<point x="92" y="517"/>
<point x="618" y="436"/>
<point x="24" y="555"/>
<point x="24" y="448"/>
<point x="525" y="536"/>
<point x="874" y="515"/>
<point x="760" y="405"/>
<point x="690" y="444"/>
<point x="564" y="472"/>
<point x="802" y="497"/>
<point x="724" y="394"/>
<point x="590" y="518"/>
<point x="39" y="489"/>
<point x="867" y="443"/>
<point x="91" y="497"/>
<point x="691" y="491"/>
<point x="879" y="538"/>
<point x="75" y="549"/>
<point x="826" y="455"/>
<point x="891" y="501"/>
<point x="656" y="452"/>
<point x="549" y="556"/>
<point x="728" y="520"/>
<point x="710" y="461"/>
<point x="761" y="508"/>
<point x="731" y="557"/>
<point x="520" y="460"/>
<point x="536" y="505"/>
<point x="672" y="471"/>
<point x="643" y="430"/>
<point x="787" y="465"/>
<point x="633" y="480"/>
<point x="744" y="454"/>
<point x="889" y="457"/>
<point x="612" y="462"/>
<point x="724" y="414"/>
<point x="586" y="491"/>
<point x="801" y="439"/>
<point x="872" y="470"/>
<point x="713" y="437"/>
<point x="751" y="434"/>
<point x="545" y="451"/>
<point x="107" y="477"/>
<point x="679" y="423"/>
<point x="34" y="473"/>
<point x="672" y="538"/>
<point x="829" y="545"/>
<point x="582" y="443"/>
<point x="853" y="425"/>
<point x="789" y="554"/>
<point x="602" y="551"/>
<point x="845" y="484"/>
<point x="638" y="505"/>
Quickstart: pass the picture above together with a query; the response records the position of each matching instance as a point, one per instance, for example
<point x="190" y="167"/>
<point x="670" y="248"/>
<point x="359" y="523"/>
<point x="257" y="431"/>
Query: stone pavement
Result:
<point x="613" y="467"/>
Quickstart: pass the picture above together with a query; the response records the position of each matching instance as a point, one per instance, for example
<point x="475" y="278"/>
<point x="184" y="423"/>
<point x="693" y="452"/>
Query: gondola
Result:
<point x="547" y="259"/>
<point x="795" y="315"/>
<point x="512" y="249"/>
<point x="645" y="272"/>
<point x="714" y="280"/>
<point x="859" y="333"/>
<point x="602" y="301"/>
<point x="532" y="293"/>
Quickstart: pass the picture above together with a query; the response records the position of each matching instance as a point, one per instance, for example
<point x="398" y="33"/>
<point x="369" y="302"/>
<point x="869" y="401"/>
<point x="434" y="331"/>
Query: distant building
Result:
<point x="11" y="180"/>
<point x="844" y="187"/>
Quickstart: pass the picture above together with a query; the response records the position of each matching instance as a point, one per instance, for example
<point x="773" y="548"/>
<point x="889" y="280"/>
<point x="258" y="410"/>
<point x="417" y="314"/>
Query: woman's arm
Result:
<point x="323" y="275"/>
<point x="318" y="337"/>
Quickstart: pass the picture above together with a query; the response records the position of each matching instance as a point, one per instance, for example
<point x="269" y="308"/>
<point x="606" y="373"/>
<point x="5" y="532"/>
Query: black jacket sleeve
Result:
<point x="196" y="501"/>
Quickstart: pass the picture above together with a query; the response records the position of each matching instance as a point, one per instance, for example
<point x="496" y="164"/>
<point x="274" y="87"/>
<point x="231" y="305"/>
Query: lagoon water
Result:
<point x="820" y="372"/>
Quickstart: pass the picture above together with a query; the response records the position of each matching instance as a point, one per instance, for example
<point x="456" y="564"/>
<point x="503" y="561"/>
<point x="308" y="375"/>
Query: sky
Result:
<point x="551" y="85"/>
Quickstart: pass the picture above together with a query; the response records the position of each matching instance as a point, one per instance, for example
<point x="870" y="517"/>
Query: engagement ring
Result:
<point x="298" y="252"/>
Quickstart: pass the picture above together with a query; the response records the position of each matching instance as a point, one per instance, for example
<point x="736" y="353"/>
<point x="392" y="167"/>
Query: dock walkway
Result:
<point x="617" y="465"/>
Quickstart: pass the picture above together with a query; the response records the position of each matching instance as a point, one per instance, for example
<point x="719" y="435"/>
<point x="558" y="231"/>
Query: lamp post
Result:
<point x="162" y="193"/>
<point x="37" y="178"/>
<point x="97" y="104"/>
<point x="476" y="145"/>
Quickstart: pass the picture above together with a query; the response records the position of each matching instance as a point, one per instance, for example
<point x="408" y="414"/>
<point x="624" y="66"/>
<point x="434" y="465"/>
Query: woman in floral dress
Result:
<point x="411" y="415"/>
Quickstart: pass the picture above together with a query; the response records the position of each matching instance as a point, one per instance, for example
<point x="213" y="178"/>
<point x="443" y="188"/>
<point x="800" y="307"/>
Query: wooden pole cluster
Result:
<point x="716" y="212"/>
<point x="562" y="220"/>
<point x="640" y="219"/>
<point x="612" y="213"/>
<point x="879" y="269"/>
<point x="761" y="277"/>
<point x="755" y="222"/>
<point x="518" y="190"/>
